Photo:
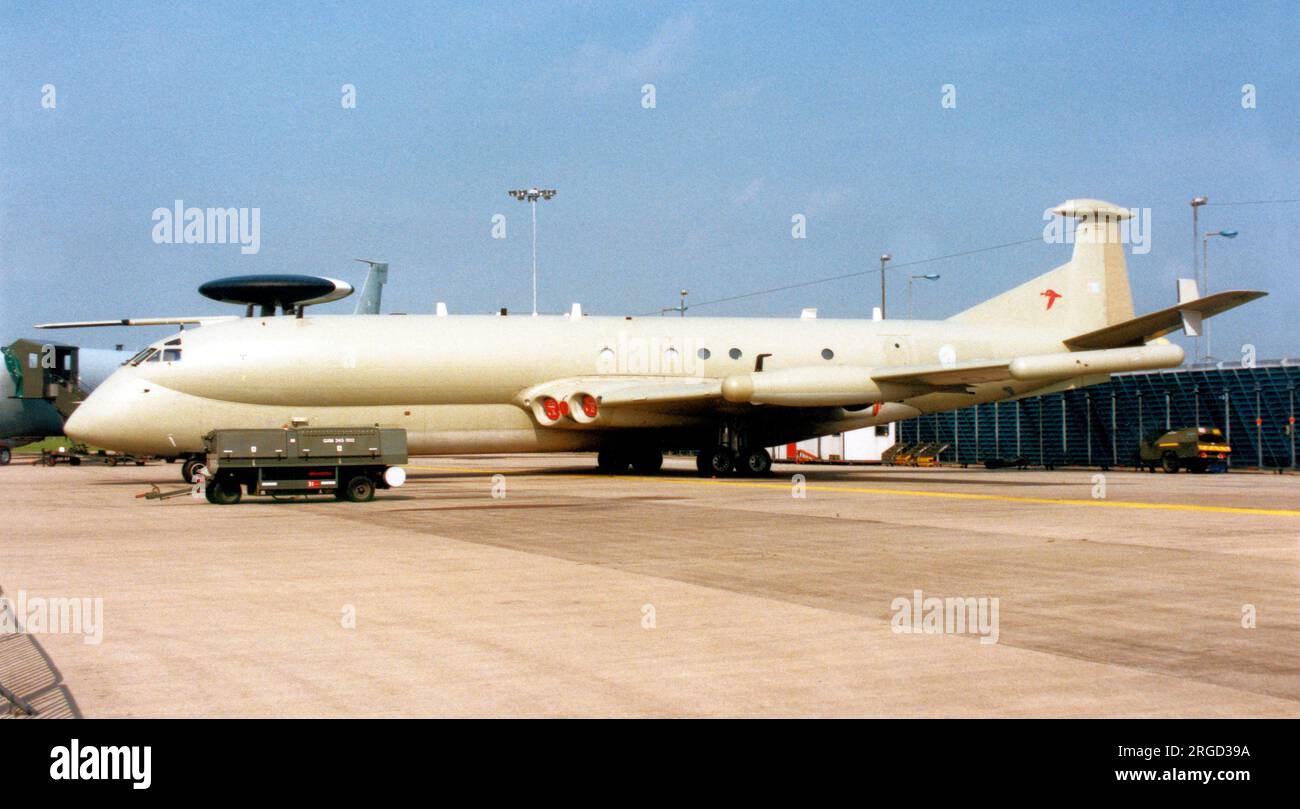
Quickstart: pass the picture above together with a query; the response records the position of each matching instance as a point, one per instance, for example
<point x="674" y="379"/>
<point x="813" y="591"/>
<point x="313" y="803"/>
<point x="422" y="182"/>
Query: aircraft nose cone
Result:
<point x="81" y="425"/>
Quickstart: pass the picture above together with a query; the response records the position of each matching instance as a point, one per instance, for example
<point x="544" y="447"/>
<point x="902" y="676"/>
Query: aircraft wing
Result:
<point x="202" y="320"/>
<point x="591" y="401"/>
<point x="973" y="372"/>
<point x="1148" y="327"/>
<point x="659" y="390"/>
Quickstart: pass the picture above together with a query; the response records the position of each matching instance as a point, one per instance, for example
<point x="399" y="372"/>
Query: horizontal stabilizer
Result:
<point x="1140" y="330"/>
<point x="202" y="320"/>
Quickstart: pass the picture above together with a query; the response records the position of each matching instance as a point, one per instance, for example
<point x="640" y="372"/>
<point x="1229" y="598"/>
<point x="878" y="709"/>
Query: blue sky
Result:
<point x="762" y="111"/>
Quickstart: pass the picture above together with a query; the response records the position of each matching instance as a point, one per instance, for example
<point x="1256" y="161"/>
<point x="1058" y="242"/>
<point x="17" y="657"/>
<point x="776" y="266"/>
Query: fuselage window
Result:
<point x="827" y="354"/>
<point x="734" y="353"/>
<point x="703" y="354"/>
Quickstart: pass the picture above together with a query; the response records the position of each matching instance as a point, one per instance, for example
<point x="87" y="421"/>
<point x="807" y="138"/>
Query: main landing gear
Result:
<point x="733" y="454"/>
<point x="721" y="461"/>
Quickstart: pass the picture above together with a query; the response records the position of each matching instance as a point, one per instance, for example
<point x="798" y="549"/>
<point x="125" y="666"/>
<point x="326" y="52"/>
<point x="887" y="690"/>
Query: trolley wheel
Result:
<point x="224" y="492"/>
<point x="1169" y="463"/>
<point x="360" y="489"/>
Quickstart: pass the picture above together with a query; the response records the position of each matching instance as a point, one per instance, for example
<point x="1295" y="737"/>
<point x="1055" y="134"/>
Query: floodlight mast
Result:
<point x="531" y="195"/>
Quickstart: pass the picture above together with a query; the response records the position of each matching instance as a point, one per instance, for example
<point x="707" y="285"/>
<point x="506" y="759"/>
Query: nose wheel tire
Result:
<point x="190" y="468"/>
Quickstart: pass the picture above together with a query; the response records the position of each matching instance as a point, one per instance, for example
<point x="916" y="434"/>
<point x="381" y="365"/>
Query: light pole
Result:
<point x="680" y="308"/>
<point x="531" y="195"/>
<point x="928" y="277"/>
<point x="1205" y="262"/>
<point x="1197" y="202"/>
<point x="884" y="259"/>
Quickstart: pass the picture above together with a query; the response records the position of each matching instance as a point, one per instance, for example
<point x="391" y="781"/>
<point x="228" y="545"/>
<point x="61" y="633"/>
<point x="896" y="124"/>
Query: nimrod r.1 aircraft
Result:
<point x="630" y="388"/>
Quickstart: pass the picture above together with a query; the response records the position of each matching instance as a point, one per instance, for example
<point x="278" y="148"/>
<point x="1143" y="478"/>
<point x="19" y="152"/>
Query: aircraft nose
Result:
<point x="86" y="424"/>
<point x="107" y="418"/>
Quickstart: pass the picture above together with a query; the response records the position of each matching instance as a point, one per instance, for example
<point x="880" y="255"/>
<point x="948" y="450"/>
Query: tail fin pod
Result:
<point x="1087" y="293"/>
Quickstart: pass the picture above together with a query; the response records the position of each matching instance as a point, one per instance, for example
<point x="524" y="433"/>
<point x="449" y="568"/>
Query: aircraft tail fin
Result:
<point x="1089" y="292"/>
<point x="372" y="292"/>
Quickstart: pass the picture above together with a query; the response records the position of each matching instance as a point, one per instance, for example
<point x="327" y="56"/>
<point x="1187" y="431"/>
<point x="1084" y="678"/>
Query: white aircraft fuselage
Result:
<point x="459" y="384"/>
<point x="477" y="384"/>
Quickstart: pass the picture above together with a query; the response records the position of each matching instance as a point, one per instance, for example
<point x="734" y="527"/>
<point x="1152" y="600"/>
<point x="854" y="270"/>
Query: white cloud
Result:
<point x="597" y="67"/>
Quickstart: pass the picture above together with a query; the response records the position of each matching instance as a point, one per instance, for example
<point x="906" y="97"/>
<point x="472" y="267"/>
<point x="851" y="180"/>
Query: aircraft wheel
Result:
<point x="648" y="462"/>
<point x="224" y="492"/>
<point x="360" y="489"/>
<point x="189" y="469"/>
<point x="5" y="456"/>
<point x="721" y="462"/>
<point x="1169" y="463"/>
<point x="757" y="463"/>
<point x="612" y="461"/>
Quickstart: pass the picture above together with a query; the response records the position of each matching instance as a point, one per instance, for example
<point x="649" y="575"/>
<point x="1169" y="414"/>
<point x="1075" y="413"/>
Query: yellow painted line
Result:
<point x="1001" y="498"/>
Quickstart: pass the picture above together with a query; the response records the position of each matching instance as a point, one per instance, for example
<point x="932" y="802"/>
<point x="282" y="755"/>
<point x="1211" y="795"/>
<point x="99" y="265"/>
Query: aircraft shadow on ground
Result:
<point x="867" y="476"/>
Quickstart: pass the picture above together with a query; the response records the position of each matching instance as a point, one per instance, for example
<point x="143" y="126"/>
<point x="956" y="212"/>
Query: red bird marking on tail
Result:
<point x="1051" y="296"/>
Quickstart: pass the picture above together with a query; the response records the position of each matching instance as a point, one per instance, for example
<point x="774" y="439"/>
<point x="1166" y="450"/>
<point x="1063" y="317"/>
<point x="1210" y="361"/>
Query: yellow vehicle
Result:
<point x="1196" y="449"/>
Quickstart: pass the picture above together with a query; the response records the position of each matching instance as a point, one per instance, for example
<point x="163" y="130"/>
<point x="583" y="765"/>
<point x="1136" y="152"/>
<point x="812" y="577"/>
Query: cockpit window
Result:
<point x="142" y="356"/>
<point x="171" y="354"/>
<point x="153" y="356"/>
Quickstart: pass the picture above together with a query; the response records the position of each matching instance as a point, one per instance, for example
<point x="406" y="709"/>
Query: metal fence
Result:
<point x="1102" y="425"/>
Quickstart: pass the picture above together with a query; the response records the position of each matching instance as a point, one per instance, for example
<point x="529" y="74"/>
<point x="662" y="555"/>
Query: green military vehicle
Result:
<point x="348" y="462"/>
<point x="1196" y="449"/>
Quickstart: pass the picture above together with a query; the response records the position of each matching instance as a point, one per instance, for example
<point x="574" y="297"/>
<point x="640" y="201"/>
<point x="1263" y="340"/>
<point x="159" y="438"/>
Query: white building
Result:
<point x="865" y="444"/>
